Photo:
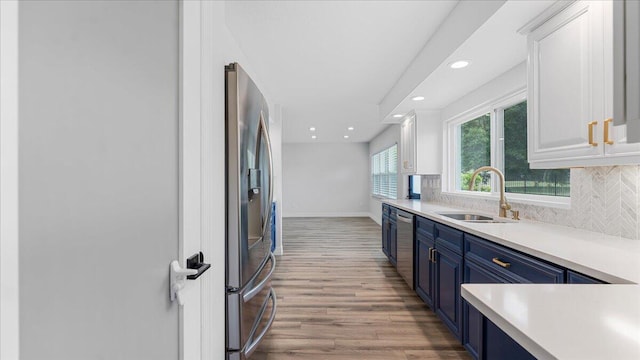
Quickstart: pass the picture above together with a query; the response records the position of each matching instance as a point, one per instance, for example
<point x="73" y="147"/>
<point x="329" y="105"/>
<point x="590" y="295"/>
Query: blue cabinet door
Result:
<point x="448" y="279"/>
<point x="474" y="273"/>
<point x="385" y="235"/>
<point x="497" y="345"/>
<point x="393" y="242"/>
<point x="577" y="278"/>
<point x="424" y="268"/>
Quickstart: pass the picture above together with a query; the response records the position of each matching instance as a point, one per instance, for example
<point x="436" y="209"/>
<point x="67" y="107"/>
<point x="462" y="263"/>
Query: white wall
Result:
<point x="9" y="267"/>
<point x="385" y="139"/>
<point x="325" y="179"/>
<point x="511" y="80"/>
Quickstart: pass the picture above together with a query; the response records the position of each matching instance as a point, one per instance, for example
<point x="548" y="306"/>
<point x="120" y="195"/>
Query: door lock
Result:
<point x="177" y="277"/>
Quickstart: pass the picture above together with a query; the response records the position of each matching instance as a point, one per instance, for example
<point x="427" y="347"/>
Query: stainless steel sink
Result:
<point x="468" y="217"/>
<point x="474" y="218"/>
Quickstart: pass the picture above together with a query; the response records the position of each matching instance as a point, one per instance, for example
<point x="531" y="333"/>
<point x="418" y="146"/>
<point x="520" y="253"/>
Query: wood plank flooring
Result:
<point x="340" y="299"/>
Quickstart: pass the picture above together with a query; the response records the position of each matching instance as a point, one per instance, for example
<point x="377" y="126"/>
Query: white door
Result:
<point x="102" y="201"/>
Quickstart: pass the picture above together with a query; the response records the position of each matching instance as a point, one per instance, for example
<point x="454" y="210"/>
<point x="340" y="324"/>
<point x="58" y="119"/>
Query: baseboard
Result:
<point x="326" y="214"/>
<point x="376" y="219"/>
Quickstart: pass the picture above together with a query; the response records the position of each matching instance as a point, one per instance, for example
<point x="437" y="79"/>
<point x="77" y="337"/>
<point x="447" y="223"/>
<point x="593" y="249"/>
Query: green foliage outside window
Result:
<point x="519" y="178"/>
<point x="475" y="151"/>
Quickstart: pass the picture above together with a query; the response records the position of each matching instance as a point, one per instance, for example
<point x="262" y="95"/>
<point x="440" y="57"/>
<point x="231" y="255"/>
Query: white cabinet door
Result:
<point x="408" y="145"/>
<point x="565" y="89"/>
<point x="631" y="72"/>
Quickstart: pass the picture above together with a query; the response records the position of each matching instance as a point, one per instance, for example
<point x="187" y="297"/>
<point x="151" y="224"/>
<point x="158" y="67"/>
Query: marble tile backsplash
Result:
<point x="603" y="199"/>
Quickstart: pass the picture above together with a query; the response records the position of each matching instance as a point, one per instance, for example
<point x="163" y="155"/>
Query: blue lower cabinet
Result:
<point x="424" y="268"/>
<point x="497" y="345"/>
<point x="385" y="235"/>
<point x="475" y="273"/>
<point x="577" y="278"/>
<point x="448" y="302"/>
<point x="393" y="242"/>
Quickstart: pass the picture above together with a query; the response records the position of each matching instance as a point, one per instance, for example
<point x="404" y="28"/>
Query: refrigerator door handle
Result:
<point x="251" y="293"/>
<point x="254" y="344"/>
<point x="265" y="133"/>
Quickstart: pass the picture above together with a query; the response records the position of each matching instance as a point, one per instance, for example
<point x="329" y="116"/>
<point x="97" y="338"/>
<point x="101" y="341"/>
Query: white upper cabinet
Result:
<point x="626" y="65"/>
<point x="570" y="91"/>
<point x="420" y="143"/>
<point x="408" y="145"/>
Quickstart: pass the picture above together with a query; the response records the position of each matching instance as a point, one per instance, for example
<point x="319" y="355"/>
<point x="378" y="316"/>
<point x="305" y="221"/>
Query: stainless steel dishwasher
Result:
<point x="405" y="246"/>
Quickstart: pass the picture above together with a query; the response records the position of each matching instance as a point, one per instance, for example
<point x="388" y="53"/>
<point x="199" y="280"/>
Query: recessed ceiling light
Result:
<point x="346" y="136"/>
<point x="312" y="129"/>
<point x="459" y="64"/>
<point x="417" y="98"/>
<point x="313" y="136"/>
<point x="350" y="128"/>
<point x="397" y="115"/>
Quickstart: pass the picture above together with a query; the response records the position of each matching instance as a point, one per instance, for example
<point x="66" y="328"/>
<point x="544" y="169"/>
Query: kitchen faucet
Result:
<point x="504" y="205"/>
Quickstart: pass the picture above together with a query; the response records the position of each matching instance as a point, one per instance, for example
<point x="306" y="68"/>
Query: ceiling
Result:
<point x="329" y="64"/>
<point x="493" y="49"/>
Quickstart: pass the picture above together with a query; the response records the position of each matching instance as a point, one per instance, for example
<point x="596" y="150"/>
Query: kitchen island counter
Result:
<point x="560" y="321"/>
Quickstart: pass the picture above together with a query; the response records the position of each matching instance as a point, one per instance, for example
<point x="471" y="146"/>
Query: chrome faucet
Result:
<point x="504" y="205"/>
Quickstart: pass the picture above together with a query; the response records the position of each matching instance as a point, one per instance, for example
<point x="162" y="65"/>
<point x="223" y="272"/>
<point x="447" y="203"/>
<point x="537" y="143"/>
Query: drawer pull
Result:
<point x="501" y="263"/>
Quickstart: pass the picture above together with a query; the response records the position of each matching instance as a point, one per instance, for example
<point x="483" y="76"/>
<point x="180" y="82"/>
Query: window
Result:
<point x="414" y="186"/>
<point x="384" y="173"/>
<point x="475" y="151"/>
<point x="496" y="135"/>
<point x="519" y="178"/>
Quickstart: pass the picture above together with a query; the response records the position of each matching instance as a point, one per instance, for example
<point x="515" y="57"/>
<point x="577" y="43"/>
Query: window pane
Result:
<point x="475" y="151"/>
<point x="415" y="183"/>
<point x="384" y="172"/>
<point x="519" y="178"/>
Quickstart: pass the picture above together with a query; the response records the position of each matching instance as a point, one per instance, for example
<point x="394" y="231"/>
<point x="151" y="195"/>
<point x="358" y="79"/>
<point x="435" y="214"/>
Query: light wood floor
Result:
<point x="340" y="299"/>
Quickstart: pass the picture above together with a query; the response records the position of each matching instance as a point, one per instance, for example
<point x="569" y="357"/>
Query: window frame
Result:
<point x="495" y="108"/>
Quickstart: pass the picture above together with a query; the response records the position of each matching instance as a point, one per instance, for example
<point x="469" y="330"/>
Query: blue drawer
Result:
<point x="511" y="264"/>
<point x="450" y="238"/>
<point x="386" y="209"/>
<point x="425" y="227"/>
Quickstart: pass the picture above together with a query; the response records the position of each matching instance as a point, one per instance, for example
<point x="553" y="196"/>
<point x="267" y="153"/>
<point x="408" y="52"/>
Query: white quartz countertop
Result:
<point x="609" y="258"/>
<point x="555" y="321"/>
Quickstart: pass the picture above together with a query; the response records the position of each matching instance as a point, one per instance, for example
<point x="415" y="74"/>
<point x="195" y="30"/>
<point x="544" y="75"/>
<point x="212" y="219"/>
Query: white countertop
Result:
<point x="555" y="321"/>
<point x="609" y="258"/>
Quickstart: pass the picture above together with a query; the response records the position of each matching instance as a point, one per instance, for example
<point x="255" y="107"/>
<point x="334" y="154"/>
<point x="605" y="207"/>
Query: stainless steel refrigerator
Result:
<point x="250" y="300"/>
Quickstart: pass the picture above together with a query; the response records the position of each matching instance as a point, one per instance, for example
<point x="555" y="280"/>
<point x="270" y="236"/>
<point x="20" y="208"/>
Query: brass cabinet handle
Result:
<point x="606" y="132"/>
<point x="501" y="263"/>
<point x="591" y="125"/>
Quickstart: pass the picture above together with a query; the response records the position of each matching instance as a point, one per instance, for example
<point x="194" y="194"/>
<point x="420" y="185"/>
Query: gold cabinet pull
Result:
<point x="591" y="125"/>
<point x="606" y="132"/>
<point x="501" y="263"/>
